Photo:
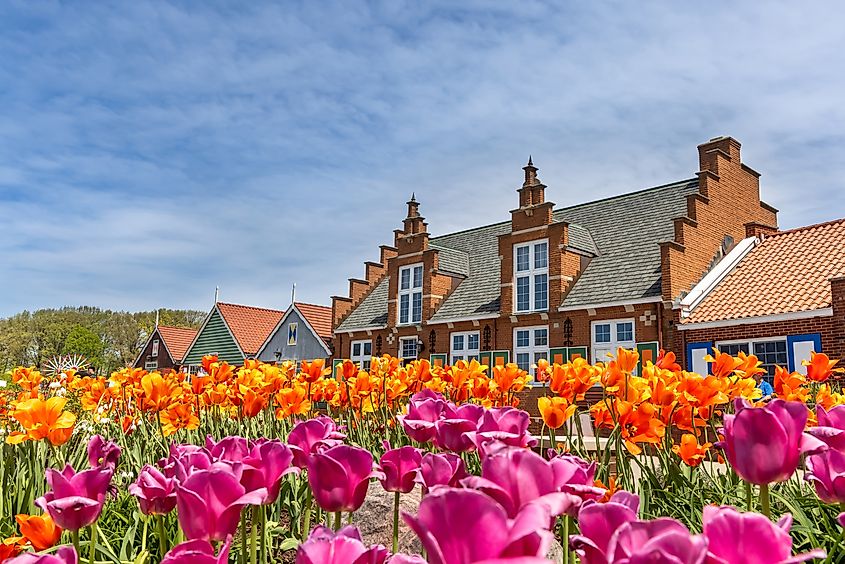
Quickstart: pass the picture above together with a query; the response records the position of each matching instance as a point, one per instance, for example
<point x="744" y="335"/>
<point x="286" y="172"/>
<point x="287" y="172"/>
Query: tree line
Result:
<point x="107" y="339"/>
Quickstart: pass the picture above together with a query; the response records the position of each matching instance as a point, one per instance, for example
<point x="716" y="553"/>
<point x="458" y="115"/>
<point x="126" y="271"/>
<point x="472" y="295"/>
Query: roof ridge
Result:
<point x="312" y="305"/>
<point x="176" y="327"/>
<point x="805" y="228"/>
<point x="617" y="196"/>
<point x="251" y="307"/>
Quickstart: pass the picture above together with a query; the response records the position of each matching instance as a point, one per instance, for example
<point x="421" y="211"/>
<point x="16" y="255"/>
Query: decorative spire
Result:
<point x="413" y="207"/>
<point x="530" y="174"/>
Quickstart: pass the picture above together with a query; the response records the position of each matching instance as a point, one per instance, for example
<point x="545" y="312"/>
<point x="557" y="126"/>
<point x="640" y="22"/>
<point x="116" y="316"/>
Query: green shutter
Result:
<point x="648" y="351"/>
<point x="485" y="358"/>
<point x="577" y="352"/>
<point x="500" y="357"/>
<point x="562" y="355"/>
<point x="336" y="367"/>
<point x="441" y="358"/>
<point x="215" y="338"/>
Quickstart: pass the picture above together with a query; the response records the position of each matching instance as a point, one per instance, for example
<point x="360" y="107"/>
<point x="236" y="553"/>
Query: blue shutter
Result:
<point x="798" y="348"/>
<point x="695" y="357"/>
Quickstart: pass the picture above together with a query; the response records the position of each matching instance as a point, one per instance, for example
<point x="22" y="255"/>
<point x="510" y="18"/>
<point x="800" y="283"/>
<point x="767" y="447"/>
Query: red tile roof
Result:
<point x="177" y="340"/>
<point x="320" y="318"/>
<point x="250" y="325"/>
<point x="787" y="272"/>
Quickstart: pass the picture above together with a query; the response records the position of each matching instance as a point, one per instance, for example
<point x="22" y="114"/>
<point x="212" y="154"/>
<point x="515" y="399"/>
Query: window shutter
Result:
<point x="577" y="352"/>
<point x="799" y="347"/>
<point x="648" y="353"/>
<point x="438" y="360"/>
<point x="486" y="358"/>
<point x="558" y="355"/>
<point x="695" y="357"/>
<point x="501" y="358"/>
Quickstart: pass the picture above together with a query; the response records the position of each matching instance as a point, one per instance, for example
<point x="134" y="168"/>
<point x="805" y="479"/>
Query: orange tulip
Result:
<point x="820" y="367"/>
<point x="555" y="410"/>
<point x="690" y="451"/>
<point x="40" y="530"/>
<point x="723" y="364"/>
<point x="178" y="416"/>
<point x="749" y="365"/>
<point x="11" y="547"/>
<point x="253" y="403"/>
<point x="348" y="370"/>
<point x="790" y="386"/>
<point x="43" y="420"/>
<point x="292" y="401"/>
<point x="666" y="361"/>
<point x="627" y="360"/>
<point x="611" y="488"/>
<point x="157" y="391"/>
<point x="315" y="370"/>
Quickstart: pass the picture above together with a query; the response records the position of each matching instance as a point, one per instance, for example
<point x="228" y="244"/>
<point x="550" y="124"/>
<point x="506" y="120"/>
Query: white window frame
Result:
<point x="600" y="350"/>
<point x="411" y="292"/>
<point x="361" y="359"/>
<point x="464" y="353"/>
<point x="154" y="351"/>
<point x="402" y="342"/>
<point x="533" y="350"/>
<point x="532" y="273"/>
<point x="151" y="365"/>
<point x="751" y="342"/>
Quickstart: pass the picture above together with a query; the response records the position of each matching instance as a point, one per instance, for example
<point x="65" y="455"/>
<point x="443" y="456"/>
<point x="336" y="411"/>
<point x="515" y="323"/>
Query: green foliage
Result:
<point x="33" y="338"/>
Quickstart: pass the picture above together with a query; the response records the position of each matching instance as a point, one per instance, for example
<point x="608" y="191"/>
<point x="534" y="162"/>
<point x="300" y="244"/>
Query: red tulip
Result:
<point x="339" y="477"/>
<point x="76" y="498"/>
<point x="400" y="466"/>
<point x="210" y="503"/>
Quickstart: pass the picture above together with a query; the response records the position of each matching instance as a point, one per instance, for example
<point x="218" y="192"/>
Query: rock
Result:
<point x="375" y="519"/>
<point x="555" y="553"/>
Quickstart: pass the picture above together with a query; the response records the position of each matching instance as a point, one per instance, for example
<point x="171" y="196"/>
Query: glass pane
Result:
<point x="541" y="255"/>
<point x="624" y="331"/>
<point x="368" y="348"/>
<point x="522" y="295"/>
<point x="523" y="360"/>
<point x="458" y="342"/>
<point x="417" y="313"/>
<point x="365" y="365"/>
<point x="541" y="291"/>
<point x="356" y="349"/>
<point x="522" y="338"/>
<point x="418" y="278"/>
<point x="405" y="278"/>
<point x="472" y="342"/>
<point x="522" y="263"/>
<point x="603" y="333"/>
<point x="540" y="355"/>
<point x="404" y="308"/>
<point x="541" y="337"/>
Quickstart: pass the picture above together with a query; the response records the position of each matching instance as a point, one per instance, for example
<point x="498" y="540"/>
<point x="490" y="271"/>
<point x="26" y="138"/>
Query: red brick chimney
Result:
<point x="533" y="209"/>
<point x="413" y="237"/>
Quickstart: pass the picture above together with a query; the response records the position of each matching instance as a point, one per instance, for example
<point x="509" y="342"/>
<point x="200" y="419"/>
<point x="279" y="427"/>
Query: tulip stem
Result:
<point x="337" y="520"/>
<point x="395" y="522"/>
<point x="764" y="500"/>
<point x="306" y="518"/>
<point x="253" y="536"/>
<point x="748" y="502"/>
<point x="262" y="514"/>
<point x="242" y="555"/>
<point x="74" y="535"/>
<point x="92" y="549"/>
<point x="564" y="539"/>
<point x="162" y="536"/>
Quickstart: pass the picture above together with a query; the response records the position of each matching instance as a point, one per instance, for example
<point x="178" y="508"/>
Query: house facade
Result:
<point x="303" y="333"/>
<point x="165" y="348"/>
<point x="779" y="296"/>
<point x="553" y="283"/>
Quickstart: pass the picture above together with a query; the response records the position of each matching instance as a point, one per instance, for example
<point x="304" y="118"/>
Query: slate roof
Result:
<point x="177" y="340"/>
<point x="622" y="233"/>
<point x="250" y="325"/>
<point x="789" y="271"/>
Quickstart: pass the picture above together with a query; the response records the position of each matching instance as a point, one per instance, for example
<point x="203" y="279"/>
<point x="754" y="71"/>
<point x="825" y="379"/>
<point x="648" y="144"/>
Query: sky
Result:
<point x="151" y="151"/>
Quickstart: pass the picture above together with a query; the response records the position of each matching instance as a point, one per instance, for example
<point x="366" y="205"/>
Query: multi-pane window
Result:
<point x="150" y="365"/>
<point x="610" y="335"/>
<point x="530" y="345"/>
<point x="362" y="352"/>
<point x="408" y="348"/>
<point x="531" y="277"/>
<point x="154" y="352"/>
<point x="410" y="294"/>
<point x="465" y="346"/>
<point x="771" y="352"/>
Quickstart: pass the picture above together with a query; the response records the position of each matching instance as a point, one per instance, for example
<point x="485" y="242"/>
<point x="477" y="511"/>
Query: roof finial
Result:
<point x="530" y="162"/>
<point x="413" y="196"/>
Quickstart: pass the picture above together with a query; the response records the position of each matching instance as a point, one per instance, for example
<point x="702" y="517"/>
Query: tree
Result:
<point x="85" y="342"/>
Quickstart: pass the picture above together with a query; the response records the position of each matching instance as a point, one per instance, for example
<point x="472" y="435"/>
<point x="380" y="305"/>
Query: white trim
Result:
<point x="410" y="291"/>
<point x="279" y="326"/>
<point x="461" y="319"/>
<point x="599" y="350"/>
<point x="636" y="301"/>
<point x="531" y="274"/>
<point x="806" y="314"/>
<point x="716" y="275"/>
<point x="361" y="358"/>
<point x="416" y="345"/>
<point x="532" y="349"/>
<point x="529" y="230"/>
<point x="362" y="329"/>
<point x="465" y="351"/>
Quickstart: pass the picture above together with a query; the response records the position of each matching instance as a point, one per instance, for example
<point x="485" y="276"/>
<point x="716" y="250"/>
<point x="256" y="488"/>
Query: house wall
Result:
<point x="163" y="360"/>
<point x="307" y="347"/>
<point x="214" y="338"/>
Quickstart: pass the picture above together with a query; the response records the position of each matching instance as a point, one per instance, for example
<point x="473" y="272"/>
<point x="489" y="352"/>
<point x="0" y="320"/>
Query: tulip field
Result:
<point x="273" y="463"/>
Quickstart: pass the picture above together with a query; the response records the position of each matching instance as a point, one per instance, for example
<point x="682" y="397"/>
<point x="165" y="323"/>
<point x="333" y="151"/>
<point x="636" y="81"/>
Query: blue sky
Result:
<point x="151" y="151"/>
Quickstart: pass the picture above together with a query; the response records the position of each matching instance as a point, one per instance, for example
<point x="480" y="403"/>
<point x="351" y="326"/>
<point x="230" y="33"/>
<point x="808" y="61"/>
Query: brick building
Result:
<point x="553" y="283"/>
<point x="776" y="295"/>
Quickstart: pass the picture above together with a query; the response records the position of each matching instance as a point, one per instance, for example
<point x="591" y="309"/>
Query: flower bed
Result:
<point x="238" y="465"/>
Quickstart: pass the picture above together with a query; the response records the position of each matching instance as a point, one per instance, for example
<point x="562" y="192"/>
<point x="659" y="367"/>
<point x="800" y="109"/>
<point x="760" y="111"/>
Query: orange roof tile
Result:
<point x="319" y="316"/>
<point x="787" y="272"/>
<point x="177" y="340"/>
<point x="250" y="325"/>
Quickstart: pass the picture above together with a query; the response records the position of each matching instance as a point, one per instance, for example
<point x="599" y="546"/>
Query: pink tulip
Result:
<point x="197" y="552"/>
<point x="737" y="538"/>
<point x="456" y="431"/>
<point x="210" y="503"/>
<point x="184" y="460"/>
<point x="102" y="453"/>
<point x="598" y="522"/>
<point x="156" y="492"/>
<point x="826" y="471"/>
<point x="457" y="526"/>
<point x="516" y="477"/>
<point x="764" y="444"/>
<point x="314" y="435"/>
<point x="64" y="555"/>
<point x="400" y="466"/>
<point x="339" y="477"/>
<point x="265" y="466"/>
<point x="661" y="540"/>
<point x="400" y="558"/>
<point x="423" y="413"/>
<point x="831" y="427"/>
<point x="506" y="424"/>
<point x="324" y="546"/>
<point x="576" y="477"/>
<point x="228" y="449"/>
<point x="445" y="469"/>
<point x="76" y="498"/>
